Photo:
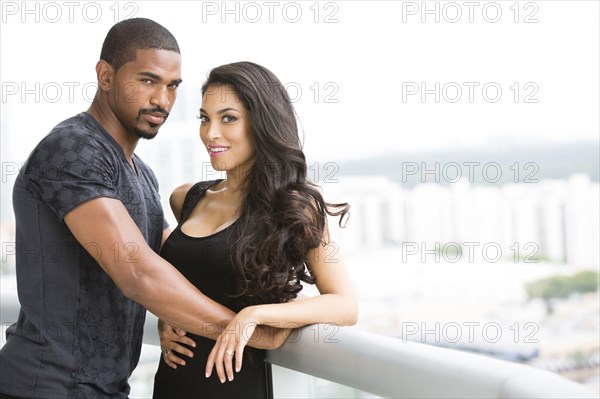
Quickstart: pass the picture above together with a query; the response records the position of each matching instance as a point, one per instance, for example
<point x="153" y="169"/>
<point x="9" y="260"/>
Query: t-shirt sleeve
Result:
<point x="69" y="168"/>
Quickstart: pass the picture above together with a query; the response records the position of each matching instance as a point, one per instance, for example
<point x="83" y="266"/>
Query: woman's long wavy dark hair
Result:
<point x="282" y="215"/>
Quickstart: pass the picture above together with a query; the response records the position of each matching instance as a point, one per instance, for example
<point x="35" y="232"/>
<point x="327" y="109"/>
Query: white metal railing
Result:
<point x="389" y="367"/>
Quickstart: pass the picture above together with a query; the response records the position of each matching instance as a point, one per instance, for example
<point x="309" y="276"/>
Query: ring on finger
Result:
<point x="166" y="353"/>
<point x="229" y="352"/>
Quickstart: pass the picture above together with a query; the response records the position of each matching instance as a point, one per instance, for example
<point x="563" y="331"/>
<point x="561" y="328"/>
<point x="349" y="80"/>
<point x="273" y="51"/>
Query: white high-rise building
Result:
<point x="553" y="220"/>
<point x="582" y="217"/>
<point x="376" y="211"/>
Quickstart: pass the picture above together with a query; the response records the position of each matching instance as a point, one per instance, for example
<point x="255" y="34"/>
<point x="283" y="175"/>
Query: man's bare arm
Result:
<point x="140" y="273"/>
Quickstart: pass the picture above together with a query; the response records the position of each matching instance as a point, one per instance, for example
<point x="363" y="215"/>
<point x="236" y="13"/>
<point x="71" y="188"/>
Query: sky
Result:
<point x="366" y="78"/>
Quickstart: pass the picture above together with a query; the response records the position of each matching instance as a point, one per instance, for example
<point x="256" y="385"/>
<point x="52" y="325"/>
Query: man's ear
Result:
<point x="105" y="74"/>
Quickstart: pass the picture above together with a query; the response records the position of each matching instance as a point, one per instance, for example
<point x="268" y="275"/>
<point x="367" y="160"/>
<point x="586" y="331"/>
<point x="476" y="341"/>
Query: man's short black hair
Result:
<point x="126" y="37"/>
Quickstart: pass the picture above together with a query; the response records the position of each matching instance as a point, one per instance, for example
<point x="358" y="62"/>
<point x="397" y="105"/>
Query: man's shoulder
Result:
<point x="76" y="138"/>
<point x="77" y="129"/>
<point x="75" y="144"/>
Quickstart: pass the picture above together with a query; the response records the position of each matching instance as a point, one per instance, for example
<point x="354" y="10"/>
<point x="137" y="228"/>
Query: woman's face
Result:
<point x="225" y="130"/>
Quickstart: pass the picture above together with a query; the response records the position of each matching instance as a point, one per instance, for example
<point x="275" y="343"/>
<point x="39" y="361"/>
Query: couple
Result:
<point x="230" y="272"/>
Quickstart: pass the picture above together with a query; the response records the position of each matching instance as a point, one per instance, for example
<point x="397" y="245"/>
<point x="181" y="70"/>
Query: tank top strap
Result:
<point x="194" y="194"/>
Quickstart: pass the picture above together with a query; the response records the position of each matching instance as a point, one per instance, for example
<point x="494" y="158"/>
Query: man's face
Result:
<point x="145" y="90"/>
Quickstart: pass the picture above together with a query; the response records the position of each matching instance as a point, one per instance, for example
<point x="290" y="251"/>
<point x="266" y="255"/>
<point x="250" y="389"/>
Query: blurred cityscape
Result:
<point x="551" y="220"/>
<point x="492" y="269"/>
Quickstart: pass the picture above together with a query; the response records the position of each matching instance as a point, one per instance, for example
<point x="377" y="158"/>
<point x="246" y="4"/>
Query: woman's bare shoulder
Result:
<point x="177" y="197"/>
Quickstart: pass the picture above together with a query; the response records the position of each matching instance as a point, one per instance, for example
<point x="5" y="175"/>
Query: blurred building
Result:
<point x="554" y="220"/>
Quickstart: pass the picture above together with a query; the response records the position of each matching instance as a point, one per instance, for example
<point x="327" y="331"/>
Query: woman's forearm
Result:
<point x="335" y="309"/>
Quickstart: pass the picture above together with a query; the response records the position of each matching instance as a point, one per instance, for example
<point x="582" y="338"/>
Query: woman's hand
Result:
<point x="231" y="344"/>
<point x="170" y="340"/>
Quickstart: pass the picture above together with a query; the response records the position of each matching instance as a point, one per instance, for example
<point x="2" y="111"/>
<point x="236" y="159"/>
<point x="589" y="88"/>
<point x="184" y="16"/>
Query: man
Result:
<point x="88" y="228"/>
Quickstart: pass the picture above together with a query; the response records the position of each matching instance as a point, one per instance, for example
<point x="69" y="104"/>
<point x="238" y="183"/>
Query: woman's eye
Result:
<point x="203" y="118"/>
<point x="229" y="118"/>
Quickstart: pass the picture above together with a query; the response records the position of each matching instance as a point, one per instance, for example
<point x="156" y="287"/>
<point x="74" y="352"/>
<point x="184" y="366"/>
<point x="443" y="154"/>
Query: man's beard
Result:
<point x="141" y="134"/>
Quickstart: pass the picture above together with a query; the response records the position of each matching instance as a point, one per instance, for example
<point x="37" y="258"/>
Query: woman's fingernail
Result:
<point x="206" y="375"/>
<point x="222" y="380"/>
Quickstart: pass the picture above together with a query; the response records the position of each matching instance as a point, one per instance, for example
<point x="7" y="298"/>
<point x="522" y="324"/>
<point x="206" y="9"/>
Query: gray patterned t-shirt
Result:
<point x="77" y="335"/>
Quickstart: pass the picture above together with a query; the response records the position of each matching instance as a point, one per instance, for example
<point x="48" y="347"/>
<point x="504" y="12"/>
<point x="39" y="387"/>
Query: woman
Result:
<point x="247" y="241"/>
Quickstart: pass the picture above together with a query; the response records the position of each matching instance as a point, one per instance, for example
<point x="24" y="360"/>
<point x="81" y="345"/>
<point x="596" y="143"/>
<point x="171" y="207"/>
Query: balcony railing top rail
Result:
<point x="389" y="367"/>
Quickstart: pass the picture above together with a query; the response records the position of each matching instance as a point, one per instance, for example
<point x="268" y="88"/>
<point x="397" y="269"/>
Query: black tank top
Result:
<point x="206" y="263"/>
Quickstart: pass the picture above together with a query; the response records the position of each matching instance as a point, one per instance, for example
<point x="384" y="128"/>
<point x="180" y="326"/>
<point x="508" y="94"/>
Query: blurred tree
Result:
<point x="556" y="287"/>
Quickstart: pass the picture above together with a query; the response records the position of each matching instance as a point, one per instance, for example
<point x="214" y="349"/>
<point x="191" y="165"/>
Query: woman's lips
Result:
<point x="217" y="150"/>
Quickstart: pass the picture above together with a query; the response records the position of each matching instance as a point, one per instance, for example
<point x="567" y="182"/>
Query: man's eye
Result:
<point x="149" y="81"/>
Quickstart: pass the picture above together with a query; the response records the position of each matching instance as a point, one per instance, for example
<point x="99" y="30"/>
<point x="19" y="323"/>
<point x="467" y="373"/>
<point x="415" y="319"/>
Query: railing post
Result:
<point x="269" y="378"/>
